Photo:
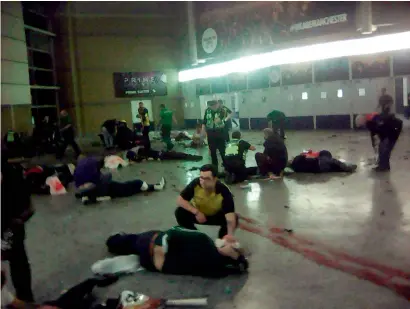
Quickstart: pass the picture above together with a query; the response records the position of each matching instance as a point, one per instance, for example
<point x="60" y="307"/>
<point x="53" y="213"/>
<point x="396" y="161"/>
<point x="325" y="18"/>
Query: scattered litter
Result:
<point x="286" y="206"/>
<point x="382" y="213"/>
<point x="405" y="158"/>
<point x="228" y="290"/>
<point x="143" y="172"/>
<point x="288" y="230"/>
<point x="343" y="183"/>
<point x="247" y="186"/>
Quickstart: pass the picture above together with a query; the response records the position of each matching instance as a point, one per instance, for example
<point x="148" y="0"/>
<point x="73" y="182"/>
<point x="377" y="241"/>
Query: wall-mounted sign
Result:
<point x="140" y="84"/>
<point x="240" y="28"/>
<point x="370" y="66"/>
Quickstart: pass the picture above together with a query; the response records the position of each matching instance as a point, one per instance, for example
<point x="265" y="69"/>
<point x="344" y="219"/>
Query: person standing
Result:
<point x="276" y="120"/>
<point x="166" y="119"/>
<point x="214" y="125"/>
<point x="227" y="114"/>
<point x="108" y="130"/>
<point x="145" y="123"/>
<point x="67" y="134"/>
<point x="385" y="103"/>
<point x="16" y="210"/>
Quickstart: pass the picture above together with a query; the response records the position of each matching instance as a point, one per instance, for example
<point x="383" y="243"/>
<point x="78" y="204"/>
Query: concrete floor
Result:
<point x="362" y="214"/>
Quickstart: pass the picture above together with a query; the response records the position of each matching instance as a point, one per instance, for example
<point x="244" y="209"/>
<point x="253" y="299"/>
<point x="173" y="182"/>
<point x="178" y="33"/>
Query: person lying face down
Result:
<point x="175" y="251"/>
<point x="319" y="162"/>
<point x="93" y="185"/>
<point x="140" y="153"/>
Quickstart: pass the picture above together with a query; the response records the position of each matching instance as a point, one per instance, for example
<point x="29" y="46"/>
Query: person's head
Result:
<point x="198" y="128"/>
<point x="236" y="135"/>
<point x="208" y="176"/>
<point x="46" y="119"/>
<point x="220" y="103"/>
<point x="141" y="104"/>
<point x="268" y="132"/>
<point x="360" y="121"/>
<point x="63" y="113"/>
<point x="162" y="106"/>
<point x="213" y="105"/>
<point x="384" y="91"/>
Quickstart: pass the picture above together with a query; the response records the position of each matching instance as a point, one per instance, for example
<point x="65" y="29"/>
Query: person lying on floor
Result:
<point x="140" y="153"/>
<point x="77" y="297"/>
<point x="37" y="176"/>
<point x="176" y="251"/>
<point x="235" y="158"/>
<point x="93" y="186"/>
<point x="319" y="162"/>
<point x="274" y="158"/>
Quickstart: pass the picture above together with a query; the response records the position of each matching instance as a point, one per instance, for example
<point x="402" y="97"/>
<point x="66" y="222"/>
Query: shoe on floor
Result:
<point x="124" y="264"/>
<point x="160" y="185"/>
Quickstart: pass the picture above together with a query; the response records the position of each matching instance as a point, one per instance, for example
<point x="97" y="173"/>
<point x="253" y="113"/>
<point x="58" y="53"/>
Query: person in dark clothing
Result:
<point x="388" y="129"/>
<point x="274" y="159"/>
<point x="92" y="185"/>
<point x="277" y="120"/>
<point x="16" y="210"/>
<point x="385" y="102"/>
<point x="145" y="123"/>
<point x="176" y="251"/>
<point x="235" y="158"/>
<point x="36" y="176"/>
<point x="125" y="138"/>
<point x="227" y="115"/>
<point x="319" y="162"/>
<point x="140" y="153"/>
<point x="166" y="119"/>
<point x="67" y="135"/>
<point x="12" y="140"/>
<point x="108" y="129"/>
<point x="214" y="125"/>
<point x="207" y="201"/>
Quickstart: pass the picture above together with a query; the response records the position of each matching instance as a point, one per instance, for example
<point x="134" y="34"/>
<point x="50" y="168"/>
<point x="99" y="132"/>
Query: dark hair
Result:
<point x="236" y="135"/>
<point x="198" y="125"/>
<point x="209" y="168"/>
<point x="211" y="103"/>
<point x="141" y="103"/>
<point x="162" y="106"/>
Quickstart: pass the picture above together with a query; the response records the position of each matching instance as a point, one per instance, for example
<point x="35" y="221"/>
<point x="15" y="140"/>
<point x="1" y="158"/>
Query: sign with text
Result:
<point x="241" y="28"/>
<point x="140" y="84"/>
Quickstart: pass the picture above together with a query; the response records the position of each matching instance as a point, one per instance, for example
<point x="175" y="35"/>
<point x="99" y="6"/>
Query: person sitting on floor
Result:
<point x="235" y="158"/>
<point x="92" y="185"/>
<point x="176" y="251"/>
<point x="319" y="162"/>
<point x="198" y="139"/>
<point x="140" y="153"/>
<point x="274" y="158"/>
<point x="207" y="201"/>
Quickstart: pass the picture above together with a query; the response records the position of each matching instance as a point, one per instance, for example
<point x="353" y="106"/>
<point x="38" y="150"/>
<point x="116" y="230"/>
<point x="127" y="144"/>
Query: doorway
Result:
<point x="136" y="122"/>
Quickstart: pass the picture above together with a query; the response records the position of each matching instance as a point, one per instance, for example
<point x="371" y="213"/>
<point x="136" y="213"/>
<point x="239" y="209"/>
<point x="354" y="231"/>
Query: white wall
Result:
<point x="15" y="84"/>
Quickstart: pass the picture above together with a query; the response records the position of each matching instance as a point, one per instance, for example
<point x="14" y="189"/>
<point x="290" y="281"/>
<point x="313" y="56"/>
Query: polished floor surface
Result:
<point x="363" y="215"/>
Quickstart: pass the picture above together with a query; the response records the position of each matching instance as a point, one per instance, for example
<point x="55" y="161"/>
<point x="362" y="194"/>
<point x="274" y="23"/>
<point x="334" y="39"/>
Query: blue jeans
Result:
<point x="385" y="148"/>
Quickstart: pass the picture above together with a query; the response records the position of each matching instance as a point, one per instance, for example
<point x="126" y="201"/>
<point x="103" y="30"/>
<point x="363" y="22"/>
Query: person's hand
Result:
<point x="200" y="217"/>
<point x="229" y="238"/>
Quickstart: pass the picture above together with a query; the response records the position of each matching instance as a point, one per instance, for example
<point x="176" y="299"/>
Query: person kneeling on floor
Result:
<point x="274" y="158"/>
<point x="319" y="162"/>
<point x="140" y="153"/>
<point x="207" y="201"/>
<point x="235" y="158"/>
<point x="93" y="186"/>
<point x="176" y="251"/>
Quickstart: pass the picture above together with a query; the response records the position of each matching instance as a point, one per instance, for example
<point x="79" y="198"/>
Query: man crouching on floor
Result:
<point x="177" y="251"/>
<point x="93" y="186"/>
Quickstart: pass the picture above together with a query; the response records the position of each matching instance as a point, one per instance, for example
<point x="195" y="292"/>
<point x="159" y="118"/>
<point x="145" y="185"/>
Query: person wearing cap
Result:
<point x="388" y="129"/>
<point x="214" y="125"/>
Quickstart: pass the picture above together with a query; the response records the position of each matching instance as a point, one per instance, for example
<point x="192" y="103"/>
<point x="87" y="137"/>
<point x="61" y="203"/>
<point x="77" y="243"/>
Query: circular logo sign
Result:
<point x="209" y="40"/>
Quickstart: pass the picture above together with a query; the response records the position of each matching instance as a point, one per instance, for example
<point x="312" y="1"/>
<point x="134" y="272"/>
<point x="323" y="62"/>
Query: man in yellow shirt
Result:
<point x="145" y="123"/>
<point x="207" y="201"/>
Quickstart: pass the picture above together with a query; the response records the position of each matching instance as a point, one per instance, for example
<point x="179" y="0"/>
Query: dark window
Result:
<point x="41" y="97"/>
<point x="35" y="20"/>
<point x="258" y="79"/>
<point x="38" y="41"/>
<point x="219" y="85"/>
<point x="43" y="78"/>
<point x="42" y="60"/>
<point x="203" y="87"/>
<point x="39" y="114"/>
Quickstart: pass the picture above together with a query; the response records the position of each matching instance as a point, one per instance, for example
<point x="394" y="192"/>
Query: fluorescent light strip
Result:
<point x="373" y="45"/>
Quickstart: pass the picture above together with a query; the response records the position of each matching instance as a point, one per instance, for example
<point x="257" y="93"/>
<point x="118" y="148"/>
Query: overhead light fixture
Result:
<point x="373" y="45"/>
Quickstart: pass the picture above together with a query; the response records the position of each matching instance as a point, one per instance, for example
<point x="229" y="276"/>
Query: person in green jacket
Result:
<point x="277" y="121"/>
<point x="166" y="119"/>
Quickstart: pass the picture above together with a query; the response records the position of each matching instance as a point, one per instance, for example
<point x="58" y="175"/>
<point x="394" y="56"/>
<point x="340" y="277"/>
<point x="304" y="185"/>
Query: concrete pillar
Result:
<point x="193" y="56"/>
<point x="405" y="91"/>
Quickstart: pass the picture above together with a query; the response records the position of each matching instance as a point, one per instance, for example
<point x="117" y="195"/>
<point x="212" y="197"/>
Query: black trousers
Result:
<point x="188" y="220"/>
<point x="145" y="134"/>
<point x="68" y="139"/>
<point x="216" y="141"/>
<point x="239" y="169"/>
<point x="268" y="165"/>
<point x="19" y="267"/>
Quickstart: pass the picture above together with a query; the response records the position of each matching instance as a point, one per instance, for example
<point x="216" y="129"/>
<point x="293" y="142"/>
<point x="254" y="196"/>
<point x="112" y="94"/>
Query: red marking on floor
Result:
<point x="325" y="255"/>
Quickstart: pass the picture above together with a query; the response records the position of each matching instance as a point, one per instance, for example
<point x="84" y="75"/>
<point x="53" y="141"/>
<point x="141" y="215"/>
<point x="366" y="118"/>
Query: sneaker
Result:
<point x="125" y="264"/>
<point x="159" y="186"/>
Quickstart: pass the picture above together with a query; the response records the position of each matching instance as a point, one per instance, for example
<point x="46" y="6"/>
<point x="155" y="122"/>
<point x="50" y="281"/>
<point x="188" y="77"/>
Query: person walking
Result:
<point x="166" y="118"/>
<point x="67" y="134"/>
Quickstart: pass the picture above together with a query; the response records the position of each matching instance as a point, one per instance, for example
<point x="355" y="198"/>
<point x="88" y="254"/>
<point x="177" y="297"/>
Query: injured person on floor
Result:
<point x="140" y="153"/>
<point x="319" y="162"/>
<point x="92" y="185"/>
<point x="176" y="251"/>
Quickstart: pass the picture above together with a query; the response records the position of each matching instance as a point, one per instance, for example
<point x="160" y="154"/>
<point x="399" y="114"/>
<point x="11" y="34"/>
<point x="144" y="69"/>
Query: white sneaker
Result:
<point x="160" y="185"/>
<point x="125" y="264"/>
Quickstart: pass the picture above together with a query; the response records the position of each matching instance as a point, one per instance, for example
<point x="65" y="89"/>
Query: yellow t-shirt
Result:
<point x="143" y="115"/>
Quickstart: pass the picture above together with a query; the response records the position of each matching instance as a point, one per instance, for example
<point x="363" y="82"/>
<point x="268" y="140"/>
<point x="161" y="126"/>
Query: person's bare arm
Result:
<point x="253" y="148"/>
<point x="231" y="223"/>
<point x="186" y="205"/>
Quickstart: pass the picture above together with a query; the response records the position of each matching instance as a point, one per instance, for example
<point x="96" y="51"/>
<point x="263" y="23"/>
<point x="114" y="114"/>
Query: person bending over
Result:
<point x="274" y="158"/>
<point x="207" y="201"/>
<point x="319" y="162"/>
<point x="277" y="120"/>
<point x="108" y="130"/>
<point x="92" y="185"/>
<point x="176" y="251"/>
<point x="125" y="138"/>
<point x="387" y="128"/>
<point x="235" y="158"/>
<point x="140" y="153"/>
